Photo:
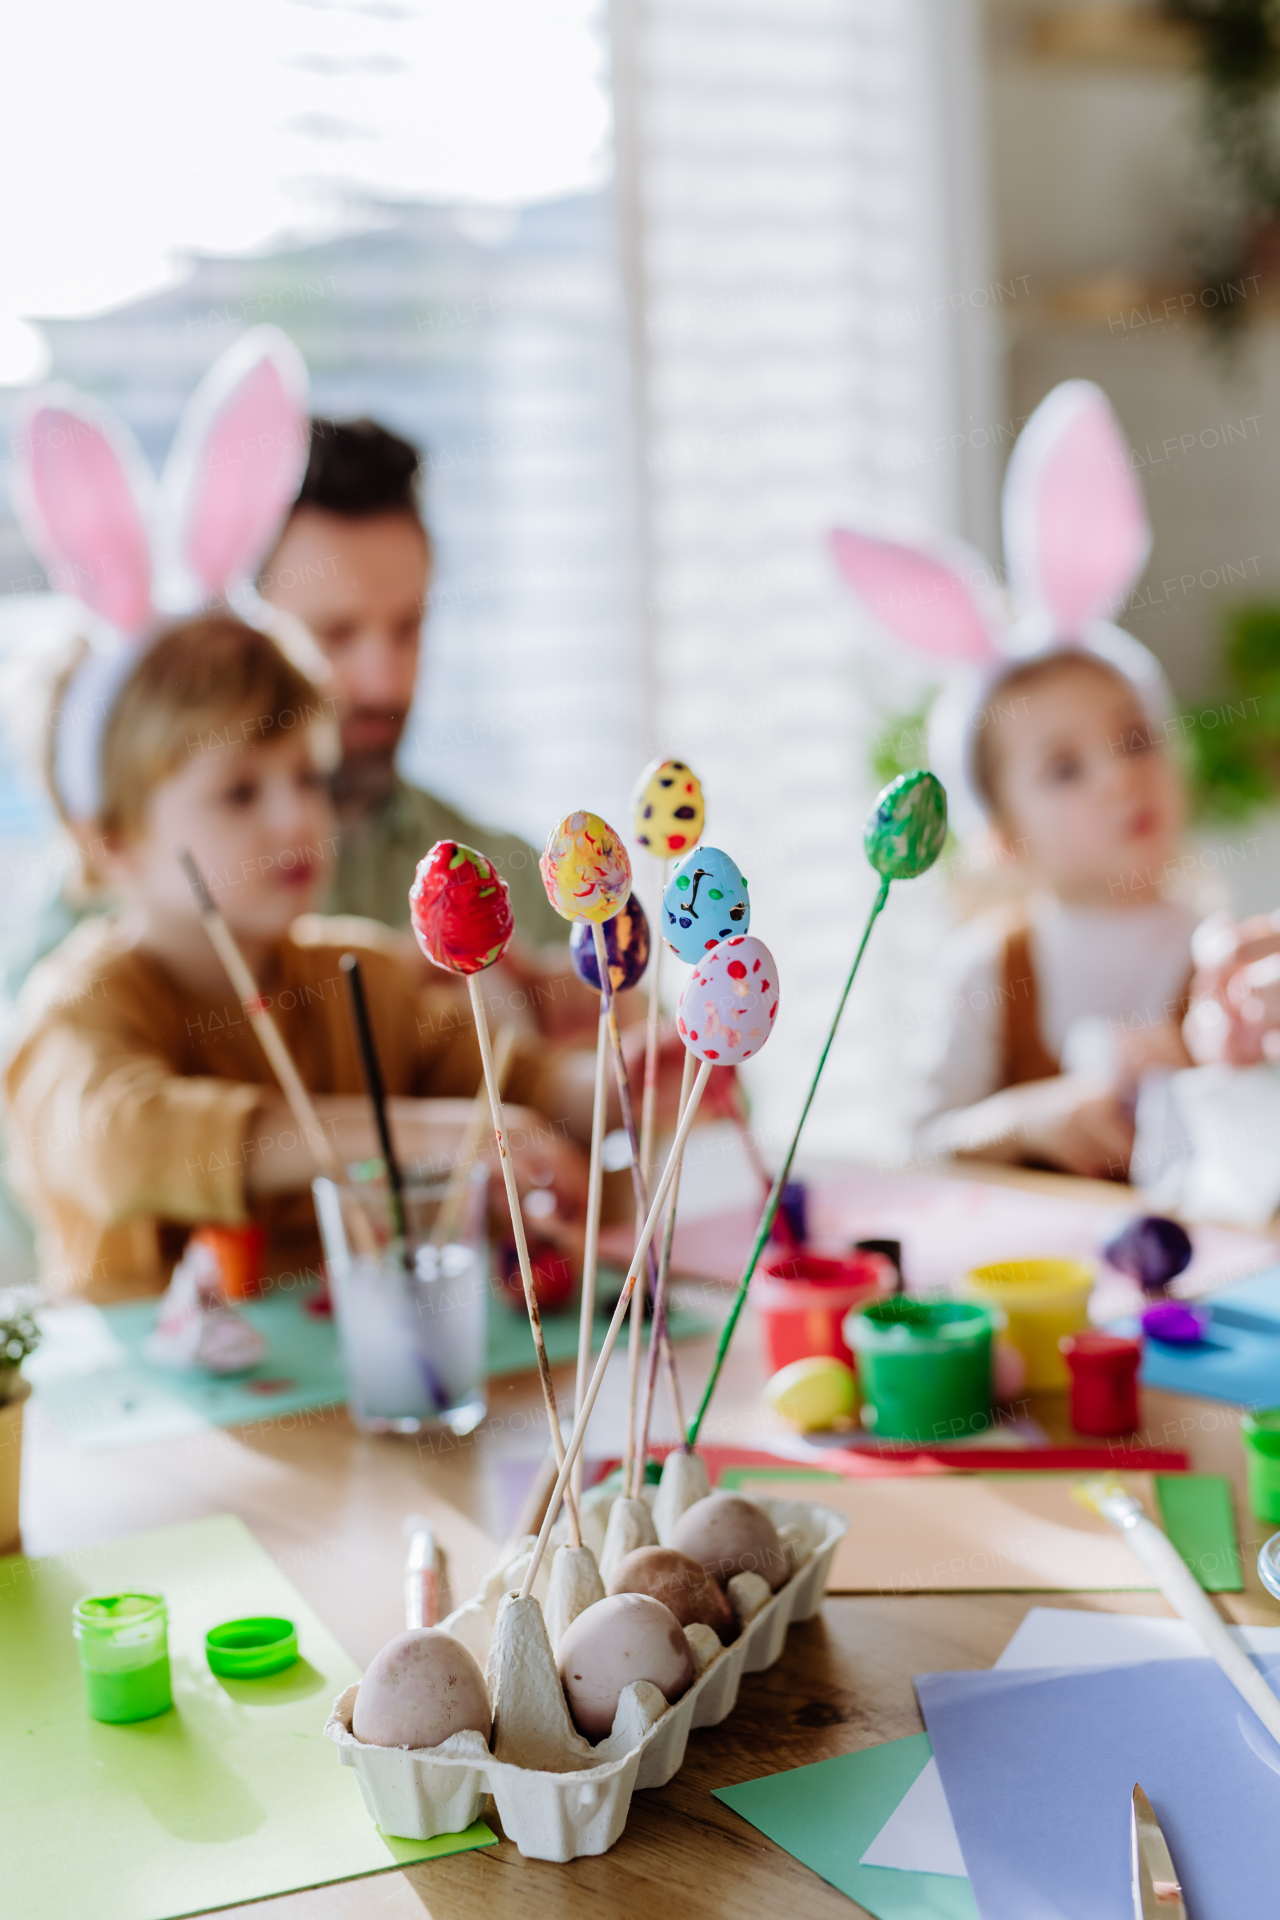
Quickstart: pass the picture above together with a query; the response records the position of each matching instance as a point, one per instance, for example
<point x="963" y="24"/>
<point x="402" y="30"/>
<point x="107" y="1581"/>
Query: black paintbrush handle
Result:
<point x="377" y="1092"/>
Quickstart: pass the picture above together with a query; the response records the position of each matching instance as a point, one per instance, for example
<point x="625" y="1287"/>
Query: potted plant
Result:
<point x="19" y="1336"/>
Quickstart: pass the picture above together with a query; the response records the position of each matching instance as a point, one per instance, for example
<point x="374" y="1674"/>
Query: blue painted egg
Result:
<point x="626" y="942"/>
<point x="729" y="1002"/>
<point x="703" y="902"/>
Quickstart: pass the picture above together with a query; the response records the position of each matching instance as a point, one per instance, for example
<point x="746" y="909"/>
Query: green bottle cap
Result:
<point x="251" y="1649"/>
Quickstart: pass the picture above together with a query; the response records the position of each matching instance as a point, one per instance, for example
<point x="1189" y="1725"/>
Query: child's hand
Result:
<point x="1235" y="1010"/>
<point x="1147" y="1049"/>
<point x="1072" y="1122"/>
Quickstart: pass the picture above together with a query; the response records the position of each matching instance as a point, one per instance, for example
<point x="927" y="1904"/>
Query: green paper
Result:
<point x="827" y="1815"/>
<point x="94" y="1386"/>
<point x="1197" y="1516"/>
<point x="234" y="1795"/>
<point x="1195" y="1509"/>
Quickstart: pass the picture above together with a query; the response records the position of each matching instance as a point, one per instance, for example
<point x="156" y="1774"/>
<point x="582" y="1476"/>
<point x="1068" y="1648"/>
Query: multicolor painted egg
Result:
<point x="729" y="1002"/>
<point x="626" y="942"/>
<point x="704" y="901"/>
<point x="585" y="868"/>
<point x="907" y="827"/>
<point x="460" y="909"/>
<point x="670" y="811"/>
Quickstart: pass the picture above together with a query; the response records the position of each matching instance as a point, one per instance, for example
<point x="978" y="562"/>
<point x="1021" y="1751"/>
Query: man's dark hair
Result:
<point x="357" y="468"/>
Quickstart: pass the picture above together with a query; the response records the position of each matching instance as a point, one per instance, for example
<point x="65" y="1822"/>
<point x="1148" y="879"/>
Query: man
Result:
<point x="353" y="565"/>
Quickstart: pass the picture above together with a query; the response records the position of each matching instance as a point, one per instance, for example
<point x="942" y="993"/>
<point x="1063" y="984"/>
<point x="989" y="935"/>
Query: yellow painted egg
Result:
<point x="815" y="1393"/>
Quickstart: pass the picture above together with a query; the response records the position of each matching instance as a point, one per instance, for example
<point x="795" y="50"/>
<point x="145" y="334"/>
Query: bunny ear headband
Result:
<point x="136" y="555"/>
<point x="1076" y="538"/>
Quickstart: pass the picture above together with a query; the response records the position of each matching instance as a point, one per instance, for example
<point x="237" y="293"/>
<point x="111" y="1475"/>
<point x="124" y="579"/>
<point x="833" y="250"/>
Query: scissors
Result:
<point x="1157" y="1893"/>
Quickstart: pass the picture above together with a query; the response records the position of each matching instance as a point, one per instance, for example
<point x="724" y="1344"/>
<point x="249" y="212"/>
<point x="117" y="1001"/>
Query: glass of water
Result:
<point x="411" y="1313"/>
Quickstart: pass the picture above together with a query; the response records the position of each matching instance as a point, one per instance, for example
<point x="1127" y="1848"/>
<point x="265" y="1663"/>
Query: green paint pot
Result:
<point x="1260" y="1433"/>
<point x="924" y="1368"/>
<point x="123" y="1642"/>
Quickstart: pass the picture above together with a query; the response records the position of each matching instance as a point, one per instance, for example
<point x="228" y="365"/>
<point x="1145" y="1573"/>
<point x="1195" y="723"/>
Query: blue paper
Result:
<point x="1039" y="1770"/>
<point x="1239" y="1358"/>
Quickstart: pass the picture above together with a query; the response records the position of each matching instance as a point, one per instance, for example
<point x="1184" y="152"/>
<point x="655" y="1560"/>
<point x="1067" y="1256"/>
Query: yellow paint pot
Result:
<point x="1042" y="1301"/>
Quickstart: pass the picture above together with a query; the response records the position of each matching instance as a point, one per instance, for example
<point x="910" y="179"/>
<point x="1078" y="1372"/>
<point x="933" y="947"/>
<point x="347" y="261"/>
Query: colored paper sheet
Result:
<point x="1039" y="1770"/>
<point x="825" y="1815"/>
<point x="94" y="1385"/>
<point x="233" y="1795"/>
<point x="920" y="1836"/>
<point x="1007" y="1532"/>
<point x="1239" y="1358"/>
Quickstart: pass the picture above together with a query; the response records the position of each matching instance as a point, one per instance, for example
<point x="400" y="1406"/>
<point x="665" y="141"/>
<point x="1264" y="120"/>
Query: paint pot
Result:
<point x="1260" y="1436"/>
<point x="1042" y="1299"/>
<point x="1176" y="1324"/>
<point x="801" y="1301"/>
<point x="924" y="1367"/>
<point x="123" y="1642"/>
<point x="239" y="1252"/>
<point x="1104" y="1381"/>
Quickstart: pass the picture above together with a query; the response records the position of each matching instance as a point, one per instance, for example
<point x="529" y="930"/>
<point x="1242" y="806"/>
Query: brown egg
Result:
<point x="624" y="1638"/>
<point x="729" y="1535"/>
<point x="680" y="1583"/>
<point x="422" y="1687"/>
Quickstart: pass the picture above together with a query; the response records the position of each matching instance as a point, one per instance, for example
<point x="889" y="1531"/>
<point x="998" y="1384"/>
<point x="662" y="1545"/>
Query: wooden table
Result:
<point x="328" y="1503"/>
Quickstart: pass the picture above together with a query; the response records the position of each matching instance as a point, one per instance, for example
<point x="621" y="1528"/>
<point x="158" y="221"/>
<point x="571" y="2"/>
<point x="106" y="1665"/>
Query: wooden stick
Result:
<point x="446" y="1222"/>
<point x="522" y="1248"/>
<point x="640" y="1188"/>
<point x="272" y="1043"/>
<point x="664" y="1264"/>
<point x="649" y="1100"/>
<point x="594" y="1197"/>
<point x="583" y="1415"/>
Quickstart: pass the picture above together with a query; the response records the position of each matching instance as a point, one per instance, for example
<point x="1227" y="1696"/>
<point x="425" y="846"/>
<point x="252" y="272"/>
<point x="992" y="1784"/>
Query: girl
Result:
<point x="1052" y="733"/>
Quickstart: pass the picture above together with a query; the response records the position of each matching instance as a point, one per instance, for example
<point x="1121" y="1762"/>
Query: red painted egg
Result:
<point x="460" y="908"/>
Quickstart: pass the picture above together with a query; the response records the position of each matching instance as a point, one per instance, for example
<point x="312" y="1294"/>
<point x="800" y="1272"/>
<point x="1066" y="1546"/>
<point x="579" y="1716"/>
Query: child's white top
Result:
<point x="1098" y="970"/>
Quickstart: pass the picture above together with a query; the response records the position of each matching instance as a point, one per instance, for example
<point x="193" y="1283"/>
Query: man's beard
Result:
<point x="366" y="776"/>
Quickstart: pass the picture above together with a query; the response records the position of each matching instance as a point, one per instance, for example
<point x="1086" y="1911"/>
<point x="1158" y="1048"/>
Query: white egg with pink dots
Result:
<point x="730" y="1001"/>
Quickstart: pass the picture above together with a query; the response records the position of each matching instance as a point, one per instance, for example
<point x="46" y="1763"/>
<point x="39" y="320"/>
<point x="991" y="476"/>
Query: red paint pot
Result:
<point x="1104" y="1381"/>
<point x="239" y="1252"/>
<point x="801" y="1300"/>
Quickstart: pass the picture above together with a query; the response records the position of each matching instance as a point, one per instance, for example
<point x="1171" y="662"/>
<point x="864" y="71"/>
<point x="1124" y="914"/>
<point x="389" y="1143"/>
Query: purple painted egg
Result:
<point x="729" y="1002"/>
<point x="626" y="942"/>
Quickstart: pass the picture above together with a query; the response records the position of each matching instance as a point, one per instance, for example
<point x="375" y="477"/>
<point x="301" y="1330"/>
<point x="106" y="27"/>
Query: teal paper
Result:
<point x="827" y="1815"/>
<point x="94" y="1386"/>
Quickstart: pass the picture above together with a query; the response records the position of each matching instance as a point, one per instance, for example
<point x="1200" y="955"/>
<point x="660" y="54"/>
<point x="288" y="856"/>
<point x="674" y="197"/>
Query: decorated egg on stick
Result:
<point x="730" y="1001"/>
<point x="460" y="909"/>
<point x="626" y="943"/>
<point x="460" y="912"/>
<point x="669" y="809"/>
<point x="585" y="868"/>
<point x="703" y="902"/>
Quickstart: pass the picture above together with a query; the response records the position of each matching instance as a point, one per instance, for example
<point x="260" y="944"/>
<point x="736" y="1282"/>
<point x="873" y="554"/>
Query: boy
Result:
<point x="139" y="1102"/>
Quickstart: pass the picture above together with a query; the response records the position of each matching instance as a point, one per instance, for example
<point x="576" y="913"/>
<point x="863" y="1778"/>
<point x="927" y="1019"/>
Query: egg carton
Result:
<point x="417" y="1793"/>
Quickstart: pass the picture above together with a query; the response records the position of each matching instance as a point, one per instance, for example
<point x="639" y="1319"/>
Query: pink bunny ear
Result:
<point x="83" y="492"/>
<point x="919" y="598"/>
<point x="235" y="467"/>
<point x="1076" y="535"/>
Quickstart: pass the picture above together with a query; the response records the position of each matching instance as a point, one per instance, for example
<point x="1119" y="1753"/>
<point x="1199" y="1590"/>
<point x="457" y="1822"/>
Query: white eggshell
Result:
<point x="729" y="1001"/>
<point x="624" y="1638"/>
<point x="421" y="1688"/>
<point x="730" y="1535"/>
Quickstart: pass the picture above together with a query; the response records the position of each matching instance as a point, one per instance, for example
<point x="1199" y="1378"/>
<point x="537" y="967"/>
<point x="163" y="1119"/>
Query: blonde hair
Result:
<point x="209" y="682"/>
